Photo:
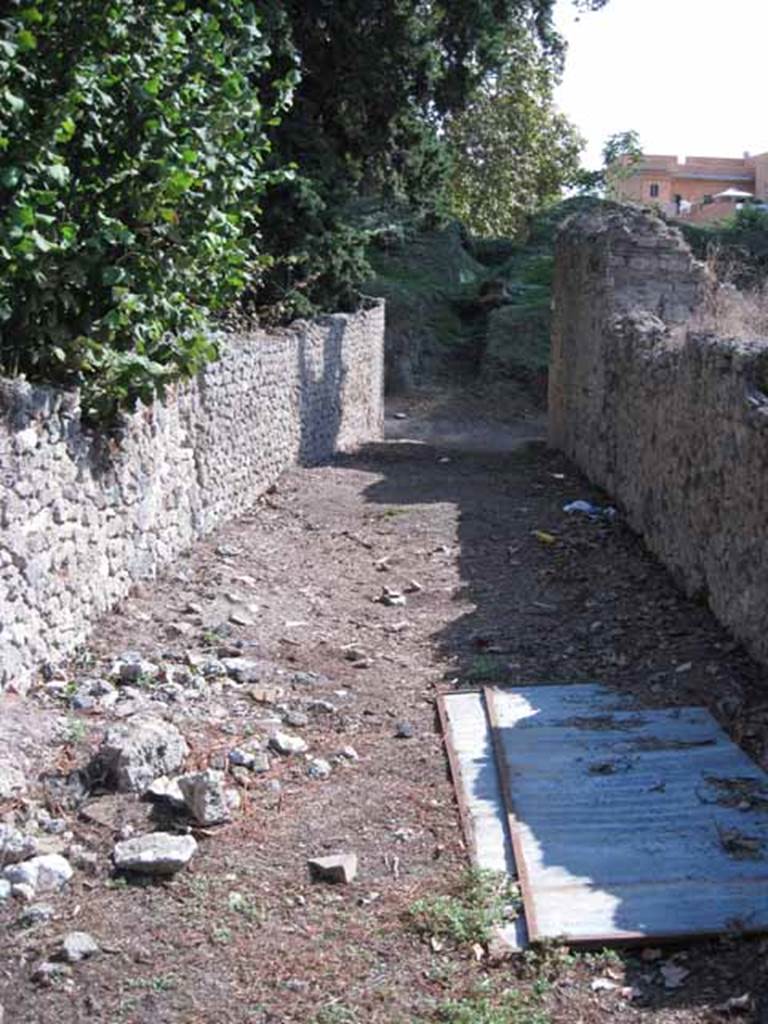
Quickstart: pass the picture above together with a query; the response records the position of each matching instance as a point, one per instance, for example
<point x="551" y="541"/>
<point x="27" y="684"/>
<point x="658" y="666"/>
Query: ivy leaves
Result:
<point x="132" y="148"/>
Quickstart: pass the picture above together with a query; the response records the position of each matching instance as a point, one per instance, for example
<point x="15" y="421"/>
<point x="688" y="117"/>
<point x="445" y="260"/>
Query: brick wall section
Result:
<point x="81" y="519"/>
<point x="672" y="423"/>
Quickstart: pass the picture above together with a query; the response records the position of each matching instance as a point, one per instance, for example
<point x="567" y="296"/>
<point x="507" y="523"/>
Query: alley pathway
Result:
<point x="498" y="584"/>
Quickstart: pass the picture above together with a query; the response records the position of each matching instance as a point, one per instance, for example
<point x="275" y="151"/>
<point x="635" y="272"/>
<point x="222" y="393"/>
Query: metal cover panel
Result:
<point x="629" y="824"/>
<point x="478" y="791"/>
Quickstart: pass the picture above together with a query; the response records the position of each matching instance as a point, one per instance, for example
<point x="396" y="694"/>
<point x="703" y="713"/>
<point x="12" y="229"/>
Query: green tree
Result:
<point x="511" y="149"/>
<point x="380" y="80"/>
<point x="621" y="152"/>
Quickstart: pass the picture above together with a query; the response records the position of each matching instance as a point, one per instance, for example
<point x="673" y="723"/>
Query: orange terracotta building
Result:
<point x="697" y="188"/>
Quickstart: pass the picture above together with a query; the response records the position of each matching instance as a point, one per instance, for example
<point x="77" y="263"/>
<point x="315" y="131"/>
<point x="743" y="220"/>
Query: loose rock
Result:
<point x="309" y="679"/>
<point x="404" y="731"/>
<point x="164" y="788"/>
<point x="286" y="744"/>
<point x="36" y="913"/>
<point x="13" y="781"/>
<point x="241" y="758"/>
<point x="15" y="846"/>
<point x="137" y="753"/>
<point x="248" y="670"/>
<point x="130" y="667"/>
<point x="339" y="867"/>
<point x="155" y="853"/>
<point x="47" y="972"/>
<point x="317" y="768"/>
<point x="205" y="796"/>
<point x="48" y="873"/>
<point x="76" y="946"/>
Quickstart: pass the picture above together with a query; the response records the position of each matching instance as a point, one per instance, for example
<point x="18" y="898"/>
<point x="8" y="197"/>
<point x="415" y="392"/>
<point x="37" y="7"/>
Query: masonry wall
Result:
<point x="671" y="422"/>
<point x="82" y="518"/>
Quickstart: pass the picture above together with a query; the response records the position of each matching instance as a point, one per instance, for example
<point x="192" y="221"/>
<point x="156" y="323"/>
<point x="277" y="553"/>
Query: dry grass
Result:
<point x="729" y="311"/>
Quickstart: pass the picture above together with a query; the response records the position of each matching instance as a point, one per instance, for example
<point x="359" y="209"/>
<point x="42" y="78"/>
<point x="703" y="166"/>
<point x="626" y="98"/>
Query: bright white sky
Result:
<point x="688" y="75"/>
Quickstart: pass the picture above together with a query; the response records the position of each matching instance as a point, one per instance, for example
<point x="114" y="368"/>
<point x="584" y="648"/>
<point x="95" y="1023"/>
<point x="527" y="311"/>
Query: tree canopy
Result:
<point x="161" y="160"/>
<point x="511" y="149"/>
<point x="389" y="91"/>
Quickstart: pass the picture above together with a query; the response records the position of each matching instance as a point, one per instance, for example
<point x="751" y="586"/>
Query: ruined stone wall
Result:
<point x="672" y="422"/>
<point x="82" y="518"/>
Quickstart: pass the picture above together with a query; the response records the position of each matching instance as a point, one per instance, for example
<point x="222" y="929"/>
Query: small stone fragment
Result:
<point x="353" y="653"/>
<point x="165" y="788"/>
<point x="339" y="867"/>
<point x="130" y="668"/>
<point x="349" y="754"/>
<point x="83" y="858"/>
<point x="392" y="598"/>
<point x="13" y="781"/>
<point x="266" y="694"/>
<point x="284" y="743"/>
<point x="318" y="768"/>
<point x="176" y="630"/>
<point x="296" y="719"/>
<point x="15" y="846"/>
<point x="239" y="619"/>
<point x="205" y="796"/>
<point x="673" y="975"/>
<point x="76" y="946"/>
<point x="321" y="707"/>
<point x="404" y="731"/>
<point x="260" y="762"/>
<point x="5" y="889"/>
<point x="36" y="913"/>
<point x="309" y="679"/>
<point x="48" y="873"/>
<point x="47" y="972"/>
<point x="735" y="1006"/>
<point x="248" y="670"/>
<point x="155" y="853"/>
<point x="94" y="694"/>
<point x="603" y="985"/>
<point x="241" y="758"/>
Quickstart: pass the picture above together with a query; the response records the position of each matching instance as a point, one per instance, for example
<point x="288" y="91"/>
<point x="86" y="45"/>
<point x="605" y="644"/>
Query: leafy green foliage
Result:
<point x="380" y="81"/>
<point x="622" y="146"/>
<point x="132" y="148"/>
<point x="481" y="900"/>
<point x="512" y="151"/>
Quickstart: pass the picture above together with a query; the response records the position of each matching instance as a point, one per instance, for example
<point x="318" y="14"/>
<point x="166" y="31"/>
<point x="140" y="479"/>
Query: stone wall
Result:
<point x="83" y="517"/>
<point x="672" y="422"/>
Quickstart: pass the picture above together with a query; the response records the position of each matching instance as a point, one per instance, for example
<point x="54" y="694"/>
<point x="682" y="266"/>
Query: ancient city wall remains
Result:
<point x="82" y="518"/>
<point x="672" y="422"/>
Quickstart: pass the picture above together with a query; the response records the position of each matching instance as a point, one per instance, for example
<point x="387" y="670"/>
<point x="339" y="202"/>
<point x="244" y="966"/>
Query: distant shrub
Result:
<point x="737" y="249"/>
<point x="132" y="140"/>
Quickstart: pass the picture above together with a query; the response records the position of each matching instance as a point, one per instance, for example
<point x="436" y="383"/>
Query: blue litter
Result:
<point x="593" y="511"/>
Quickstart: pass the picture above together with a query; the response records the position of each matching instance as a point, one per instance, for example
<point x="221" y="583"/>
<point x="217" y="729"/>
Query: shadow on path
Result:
<point x="546" y="597"/>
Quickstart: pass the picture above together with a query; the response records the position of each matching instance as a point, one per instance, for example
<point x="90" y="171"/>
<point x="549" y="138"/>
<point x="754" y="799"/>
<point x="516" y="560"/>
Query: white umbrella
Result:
<point x="733" y="193"/>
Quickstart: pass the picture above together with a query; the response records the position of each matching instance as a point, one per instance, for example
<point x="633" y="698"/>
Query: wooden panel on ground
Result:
<point x="476" y="781"/>
<point x="628" y="824"/>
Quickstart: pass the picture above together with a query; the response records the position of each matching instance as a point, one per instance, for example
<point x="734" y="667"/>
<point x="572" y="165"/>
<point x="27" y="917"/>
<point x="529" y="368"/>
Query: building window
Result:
<point x="654" y="191"/>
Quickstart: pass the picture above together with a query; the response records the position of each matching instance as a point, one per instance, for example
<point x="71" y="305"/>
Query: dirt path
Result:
<point x="243" y="935"/>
